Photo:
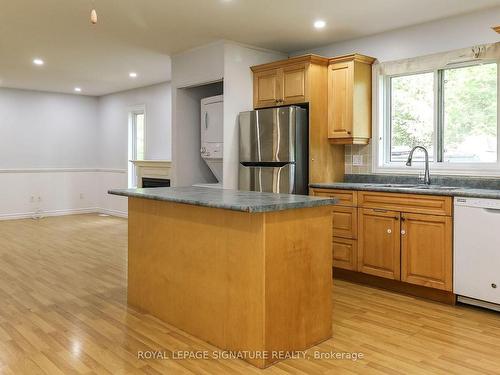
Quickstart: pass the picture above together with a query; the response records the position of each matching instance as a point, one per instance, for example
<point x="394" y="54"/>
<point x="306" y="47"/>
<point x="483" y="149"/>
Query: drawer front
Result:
<point x="344" y="197"/>
<point x="344" y="253"/>
<point x="345" y="222"/>
<point x="413" y="203"/>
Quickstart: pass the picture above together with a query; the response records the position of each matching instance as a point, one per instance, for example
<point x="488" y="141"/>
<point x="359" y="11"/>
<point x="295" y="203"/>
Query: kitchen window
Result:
<point x="453" y="112"/>
<point x="137" y="131"/>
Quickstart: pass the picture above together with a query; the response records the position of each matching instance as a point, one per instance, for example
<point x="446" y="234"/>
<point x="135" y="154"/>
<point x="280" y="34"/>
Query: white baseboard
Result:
<point x="107" y="211"/>
<point x="75" y="211"/>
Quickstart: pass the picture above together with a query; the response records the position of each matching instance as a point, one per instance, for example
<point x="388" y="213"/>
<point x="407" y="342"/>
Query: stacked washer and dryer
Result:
<point x="212" y="137"/>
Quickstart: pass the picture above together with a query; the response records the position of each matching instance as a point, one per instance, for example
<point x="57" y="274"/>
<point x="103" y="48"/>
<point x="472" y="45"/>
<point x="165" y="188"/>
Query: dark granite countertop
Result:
<point x="246" y="201"/>
<point x="452" y="191"/>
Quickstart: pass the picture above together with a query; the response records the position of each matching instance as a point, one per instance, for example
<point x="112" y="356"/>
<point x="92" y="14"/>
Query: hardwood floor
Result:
<point x="63" y="311"/>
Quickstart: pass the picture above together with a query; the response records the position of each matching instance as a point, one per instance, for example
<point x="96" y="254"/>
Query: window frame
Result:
<point x="132" y="141"/>
<point x="383" y="129"/>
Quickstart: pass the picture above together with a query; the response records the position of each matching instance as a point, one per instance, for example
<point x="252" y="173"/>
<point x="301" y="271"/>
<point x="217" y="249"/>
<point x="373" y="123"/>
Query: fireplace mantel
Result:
<point x="152" y="169"/>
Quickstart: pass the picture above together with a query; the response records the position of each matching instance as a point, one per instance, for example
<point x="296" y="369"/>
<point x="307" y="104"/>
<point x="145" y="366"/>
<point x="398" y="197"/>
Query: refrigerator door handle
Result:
<point x="264" y="164"/>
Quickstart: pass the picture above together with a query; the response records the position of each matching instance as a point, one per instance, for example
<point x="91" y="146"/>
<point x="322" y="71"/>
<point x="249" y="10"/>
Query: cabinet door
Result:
<point x="344" y="253"/>
<point x="379" y="243"/>
<point x="345" y="222"/>
<point x="340" y="96"/>
<point x="266" y="88"/>
<point x="294" y="84"/>
<point x="426" y="253"/>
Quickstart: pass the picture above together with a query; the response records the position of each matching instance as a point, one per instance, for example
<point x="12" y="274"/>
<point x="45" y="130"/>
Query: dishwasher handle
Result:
<point x="492" y="210"/>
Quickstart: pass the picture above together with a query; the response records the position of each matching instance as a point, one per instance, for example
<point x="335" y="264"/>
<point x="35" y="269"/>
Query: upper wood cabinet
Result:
<point x="283" y="82"/>
<point x="295" y="85"/>
<point x="266" y="88"/>
<point x="303" y="80"/>
<point x="349" y="99"/>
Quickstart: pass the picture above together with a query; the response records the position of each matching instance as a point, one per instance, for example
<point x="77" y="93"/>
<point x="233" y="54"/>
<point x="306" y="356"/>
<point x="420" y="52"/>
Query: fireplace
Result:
<point x="149" y="182"/>
<point x="152" y="173"/>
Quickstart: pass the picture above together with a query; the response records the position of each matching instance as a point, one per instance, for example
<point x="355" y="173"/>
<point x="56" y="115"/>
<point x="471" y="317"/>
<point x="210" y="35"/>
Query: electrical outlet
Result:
<point x="357" y="160"/>
<point x="32" y="199"/>
<point x="82" y="196"/>
<point x="39" y="199"/>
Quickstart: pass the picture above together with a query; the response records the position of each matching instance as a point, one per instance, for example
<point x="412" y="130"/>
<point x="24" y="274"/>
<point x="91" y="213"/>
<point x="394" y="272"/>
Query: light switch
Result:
<point x="357" y="160"/>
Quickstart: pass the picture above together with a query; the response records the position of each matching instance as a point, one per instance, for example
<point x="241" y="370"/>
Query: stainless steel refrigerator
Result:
<point x="273" y="150"/>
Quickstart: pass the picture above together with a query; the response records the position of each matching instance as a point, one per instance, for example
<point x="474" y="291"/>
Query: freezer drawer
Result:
<point x="476" y="249"/>
<point x="271" y="178"/>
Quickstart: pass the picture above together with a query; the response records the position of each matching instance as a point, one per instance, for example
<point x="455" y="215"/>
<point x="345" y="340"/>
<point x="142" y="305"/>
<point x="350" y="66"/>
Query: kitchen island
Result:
<point x="247" y="272"/>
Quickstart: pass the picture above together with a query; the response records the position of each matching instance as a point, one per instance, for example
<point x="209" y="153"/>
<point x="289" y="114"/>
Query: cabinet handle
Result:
<point x="389" y="231"/>
<point x="403" y="232"/>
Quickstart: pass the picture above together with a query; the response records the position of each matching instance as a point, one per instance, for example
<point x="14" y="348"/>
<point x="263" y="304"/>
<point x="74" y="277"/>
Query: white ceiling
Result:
<point x="139" y="35"/>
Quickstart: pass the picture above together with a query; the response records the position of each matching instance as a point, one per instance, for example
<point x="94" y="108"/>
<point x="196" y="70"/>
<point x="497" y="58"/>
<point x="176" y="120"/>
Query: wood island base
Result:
<point x="257" y="282"/>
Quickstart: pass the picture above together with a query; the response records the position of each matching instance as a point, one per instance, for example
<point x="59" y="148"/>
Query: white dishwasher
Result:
<point x="476" y="271"/>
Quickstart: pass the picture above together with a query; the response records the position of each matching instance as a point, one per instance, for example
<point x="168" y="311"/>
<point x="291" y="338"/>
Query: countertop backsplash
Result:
<point x="459" y="181"/>
<point x="364" y="173"/>
<point x="365" y="151"/>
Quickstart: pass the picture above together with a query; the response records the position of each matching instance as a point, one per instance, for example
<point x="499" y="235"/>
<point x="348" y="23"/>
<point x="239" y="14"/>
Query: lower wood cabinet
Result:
<point x="407" y="237"/>
<point x="345" y="222"/>
<point x="344" y="251"/>
<point x="345" y="227"/>
<point x="379" y="243"/>
<point x="426" y="250"/>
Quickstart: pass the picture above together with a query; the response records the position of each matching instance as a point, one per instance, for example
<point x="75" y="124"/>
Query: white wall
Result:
<point x="113" y="124"/>
<point x="432" y="37"/>
<point x="47" y="130"/>
<point x="192" y="168"/>
<point x="224" y="60"/>
<point x="204" y="64"/>
<point x="113" y="112"/>
<point x="60" y="153"/>
<point x="420" y="40"/>
<point x="238" y="97"/>
<point x="24" y="193"/>
<point x="48" y="153"/>
<point x="196" y="67"/>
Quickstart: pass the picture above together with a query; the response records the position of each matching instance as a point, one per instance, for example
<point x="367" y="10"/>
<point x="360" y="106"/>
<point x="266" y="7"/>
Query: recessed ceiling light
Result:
<point x="319" y="24"/>
<point x="38" y="61"/>
<point x="132" y="74"/>
<point x="78" y="89"/>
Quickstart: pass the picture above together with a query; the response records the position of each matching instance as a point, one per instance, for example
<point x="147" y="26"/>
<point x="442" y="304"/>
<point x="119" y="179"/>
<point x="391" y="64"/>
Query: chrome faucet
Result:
<point x="427" y="177"/>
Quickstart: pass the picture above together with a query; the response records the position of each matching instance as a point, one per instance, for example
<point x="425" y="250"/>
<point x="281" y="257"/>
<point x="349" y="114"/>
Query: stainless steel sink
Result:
<point x="402" y="186"/>
<point x="413" y="186"/>
<point x="437" y="187"/>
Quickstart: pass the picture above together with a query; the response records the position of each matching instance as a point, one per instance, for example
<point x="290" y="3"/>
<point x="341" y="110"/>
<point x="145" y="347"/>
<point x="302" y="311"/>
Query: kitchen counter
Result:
<point x="452" y="191"/>
<point x="245" y="201"/>
<point x="244" y="271"/>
